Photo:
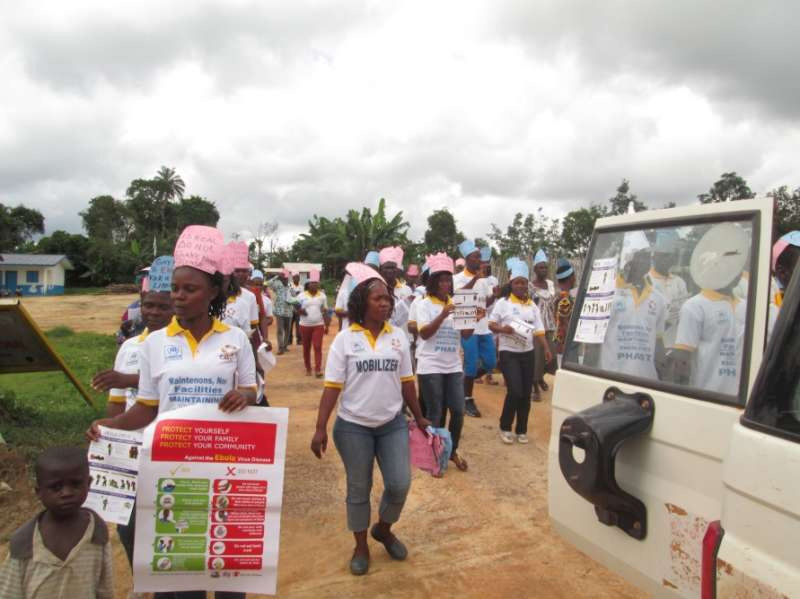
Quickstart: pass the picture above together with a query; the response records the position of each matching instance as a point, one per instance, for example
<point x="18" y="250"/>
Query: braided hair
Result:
<point x="432" y="284"/>
<point x="218" y="305"/>
<point x="357" y="303"/>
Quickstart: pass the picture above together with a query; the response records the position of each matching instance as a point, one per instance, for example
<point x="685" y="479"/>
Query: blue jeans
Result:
<point x="359" y="446"/>
<point x="479" y="355"/>
<point x="444" y="391"/>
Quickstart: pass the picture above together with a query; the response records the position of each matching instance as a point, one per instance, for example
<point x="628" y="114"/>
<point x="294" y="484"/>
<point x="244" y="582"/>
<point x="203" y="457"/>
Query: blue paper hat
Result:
<point x="519" y="269"/>
<point x="666" y="241"/>
<point x="511" y="261"/>
<point x="372" y="258"/>
<point x="425" y="268"/>
<point x="160" y="274"/>
<point x="792" y="238"/>
<point x="257" y="274"/>
<point x="540" y="257"/>
<point x="467" y="247"/>
<point x="486" y="254"/>
<point x="564" y="269"/>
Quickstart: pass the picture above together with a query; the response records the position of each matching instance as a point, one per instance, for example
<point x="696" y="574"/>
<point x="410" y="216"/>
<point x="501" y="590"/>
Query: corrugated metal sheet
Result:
<point x="34" y="260"/>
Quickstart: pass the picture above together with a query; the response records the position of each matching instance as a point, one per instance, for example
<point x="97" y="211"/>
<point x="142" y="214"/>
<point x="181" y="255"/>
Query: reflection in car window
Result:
<point x="667" y="304"/>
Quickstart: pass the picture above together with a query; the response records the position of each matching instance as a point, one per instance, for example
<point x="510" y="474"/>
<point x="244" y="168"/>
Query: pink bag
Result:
<point x="424" y="449"/>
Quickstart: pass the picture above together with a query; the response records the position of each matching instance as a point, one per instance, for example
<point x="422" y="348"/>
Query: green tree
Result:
<point x="442" y="234"/>
<point x="366" y="231"/>
<point x="787" y="209"/>
<point x="74" y="246"/>
<point x="168" y="186"/>
<point x="729" y="187"/>
<point x="107" y="219"/>
<point x="619" y="203"/>
<point x="577" y="227"/>
<point x="18" y="225"/>
<point x="527" y="234"/>
<point x="195" y="210"/>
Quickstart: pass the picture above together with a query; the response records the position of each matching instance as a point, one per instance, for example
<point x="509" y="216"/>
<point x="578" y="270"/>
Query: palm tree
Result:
<point x="169" y="186"/>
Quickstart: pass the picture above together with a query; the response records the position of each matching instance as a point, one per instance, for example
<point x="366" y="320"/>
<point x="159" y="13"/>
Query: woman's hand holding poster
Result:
<point x="209" y="501"/>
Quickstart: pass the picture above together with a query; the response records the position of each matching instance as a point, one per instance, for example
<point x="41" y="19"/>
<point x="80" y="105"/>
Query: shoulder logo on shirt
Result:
<point x="396" y="345"/>
<point x="227" y="352"/>
<point x="173" y="352"/>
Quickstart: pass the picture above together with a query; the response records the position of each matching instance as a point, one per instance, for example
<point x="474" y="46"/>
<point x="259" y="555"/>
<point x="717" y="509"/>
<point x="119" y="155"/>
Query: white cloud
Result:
<point x="279" y="111"/>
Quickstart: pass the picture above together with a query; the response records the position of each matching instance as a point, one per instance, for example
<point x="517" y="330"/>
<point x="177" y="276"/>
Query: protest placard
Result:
<point x="113" y="466"/>
<point x="209" y="504"/>
<point x="467" y="302"/>
<point x="596" y="310"/>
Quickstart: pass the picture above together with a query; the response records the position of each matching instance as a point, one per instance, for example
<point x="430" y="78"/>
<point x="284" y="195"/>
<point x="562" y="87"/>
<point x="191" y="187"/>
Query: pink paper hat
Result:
<point x="440" y="262"/>
<point x="391" y="254"/>
<point x="461" y="262"/>
<point x="413" y="270"/>
<point x="240" y="254"/>
<point x="791" y="238"/>
<point x="313" y="276"/>
<point x="361" y="272"/>
<point x="199" y="247"/>
<point x="145" y="284"/>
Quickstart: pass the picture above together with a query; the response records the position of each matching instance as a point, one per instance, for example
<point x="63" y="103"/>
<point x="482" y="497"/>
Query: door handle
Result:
<point x="600" y="431"/>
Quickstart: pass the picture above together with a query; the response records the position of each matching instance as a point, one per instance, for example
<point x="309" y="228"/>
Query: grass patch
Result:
<point x="42" y="409"/>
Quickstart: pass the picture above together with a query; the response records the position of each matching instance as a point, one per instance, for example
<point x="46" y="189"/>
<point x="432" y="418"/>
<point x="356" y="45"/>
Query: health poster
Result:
<point x="209" y="504"/>
<point x="113" y="466"/>
<point x="596" y="311"/>
<point x="467" y="302"/>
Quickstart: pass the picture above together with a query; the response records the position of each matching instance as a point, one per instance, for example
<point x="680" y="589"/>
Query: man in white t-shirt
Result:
<point x="708" y="347"/>
<point x="391" y="259"/>
<point x="638" y="313"/>
<point x="479" y="350"/>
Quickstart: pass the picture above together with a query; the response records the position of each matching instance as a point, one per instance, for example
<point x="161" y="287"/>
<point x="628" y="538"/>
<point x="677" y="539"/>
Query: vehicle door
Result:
<point x="656" y="372"/>
<point x="760" y="525"/>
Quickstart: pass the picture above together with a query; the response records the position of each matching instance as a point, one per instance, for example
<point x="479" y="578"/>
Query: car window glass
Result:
<point x="667" y="305"/>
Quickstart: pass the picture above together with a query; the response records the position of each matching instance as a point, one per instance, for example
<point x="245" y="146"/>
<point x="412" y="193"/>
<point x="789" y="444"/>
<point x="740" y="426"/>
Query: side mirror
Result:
<point x="598" y="433"/>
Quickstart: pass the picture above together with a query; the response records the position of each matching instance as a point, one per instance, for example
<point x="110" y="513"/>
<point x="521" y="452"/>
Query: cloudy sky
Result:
<point x="280" y="110"/>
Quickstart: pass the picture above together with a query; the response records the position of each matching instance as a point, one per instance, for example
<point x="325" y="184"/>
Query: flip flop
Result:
<point x="460" y="462"/>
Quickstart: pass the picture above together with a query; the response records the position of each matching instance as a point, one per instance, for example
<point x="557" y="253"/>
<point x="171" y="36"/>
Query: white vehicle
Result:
<point x="656" y="469"/>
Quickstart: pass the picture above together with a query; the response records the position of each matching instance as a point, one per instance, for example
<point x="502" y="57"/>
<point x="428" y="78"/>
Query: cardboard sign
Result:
<point x="160" y="274"/>
<point x="199" y="247"/>
<point x="209" y="500"/>
<point x="24" y="347"/>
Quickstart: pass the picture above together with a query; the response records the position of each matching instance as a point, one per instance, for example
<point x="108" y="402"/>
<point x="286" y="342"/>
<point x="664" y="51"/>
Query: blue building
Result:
<point x="33" y="274"/>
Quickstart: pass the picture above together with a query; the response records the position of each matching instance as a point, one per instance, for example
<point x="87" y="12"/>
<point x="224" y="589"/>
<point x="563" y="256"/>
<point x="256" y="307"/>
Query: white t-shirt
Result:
<point x="712" y="327"/>
<point x="511" y="309"/>
<point x="315" y="306"/>
<point x="267" y="305"/>
<point x="342" y="297"/>
<point x="176" y="371"/>
<point x="674" y="290"/>
<point x="242" y="311"/>
<point x="370" y="373"/>
<point x="439" y="353"/>
<point x="127" y="362"/>
<point x="399" y="318"/>
<point x="481" y="287"/>
<point x="636" y="321"/>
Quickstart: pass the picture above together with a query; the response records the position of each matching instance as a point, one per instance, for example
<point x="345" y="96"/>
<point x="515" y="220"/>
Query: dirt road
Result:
<point x="480" y="534"/>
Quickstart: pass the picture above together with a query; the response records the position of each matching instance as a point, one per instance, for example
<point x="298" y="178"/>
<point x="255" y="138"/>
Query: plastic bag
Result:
<point x="424" y="449"/>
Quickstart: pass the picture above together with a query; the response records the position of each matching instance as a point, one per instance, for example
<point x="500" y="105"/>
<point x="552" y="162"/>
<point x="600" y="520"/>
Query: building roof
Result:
<point x="302" y="266"/>
<point x="35" y="260"/>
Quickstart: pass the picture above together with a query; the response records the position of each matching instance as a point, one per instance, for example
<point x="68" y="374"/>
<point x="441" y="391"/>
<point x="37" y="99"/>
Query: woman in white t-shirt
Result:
<point x="314" y="321"/>
<point x="196" y="345"/>
<point x="439" y="369"/>
<point x="369" y="366"/>
<point x="543" y="291"/>
<point x="518" y="322"/>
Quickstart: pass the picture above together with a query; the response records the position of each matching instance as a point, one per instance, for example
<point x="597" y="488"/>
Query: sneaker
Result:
<point x="507" y="437"/>
<point x="470" y="409"/>
<point x="522" y="439"/>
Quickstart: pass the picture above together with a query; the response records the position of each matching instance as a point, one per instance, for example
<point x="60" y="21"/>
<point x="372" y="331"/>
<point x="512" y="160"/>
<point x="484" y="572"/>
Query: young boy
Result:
<point x="63" y="553"/>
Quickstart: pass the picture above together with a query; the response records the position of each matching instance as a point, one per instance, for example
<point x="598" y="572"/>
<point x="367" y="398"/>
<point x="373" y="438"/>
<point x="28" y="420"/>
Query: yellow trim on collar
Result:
<point x="436" y="300"/>
<point x="638" y="297"/>
<point x="515" y="300"/>
<point x="174" y="328"/>
<point x="309" y="294"/>
<point x="398" y="283"/>
<point x="779" y="299"/>
<point x="387" y="328"/>
<point x="469" y="273"/>
<point x="144" y="335"/>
